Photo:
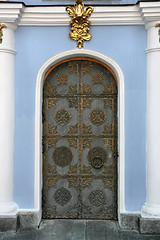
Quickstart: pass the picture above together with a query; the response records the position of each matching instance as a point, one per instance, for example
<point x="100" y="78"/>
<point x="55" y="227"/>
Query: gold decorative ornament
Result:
<point x="97" y="117"/>
<point x="62" y="79"/>
<point x="79" y="23"/>
<point x="1" y="33"/>
<point x="158" y="25"/>
<point x="62" y="116"/>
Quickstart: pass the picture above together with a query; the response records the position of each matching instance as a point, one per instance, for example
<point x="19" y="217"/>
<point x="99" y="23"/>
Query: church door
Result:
<point x="80" y="141"/>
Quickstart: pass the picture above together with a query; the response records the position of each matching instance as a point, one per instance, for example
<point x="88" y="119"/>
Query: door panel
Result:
<point x="80" y="141"/>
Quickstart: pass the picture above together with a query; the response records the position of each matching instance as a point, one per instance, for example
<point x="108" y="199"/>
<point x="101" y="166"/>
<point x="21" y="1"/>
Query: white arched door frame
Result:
<point x="38" y="121"/>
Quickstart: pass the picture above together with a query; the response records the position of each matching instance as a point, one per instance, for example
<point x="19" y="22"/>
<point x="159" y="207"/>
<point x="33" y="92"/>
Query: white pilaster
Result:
<point x="152" y="205"/>
<point x="7" y="206"/>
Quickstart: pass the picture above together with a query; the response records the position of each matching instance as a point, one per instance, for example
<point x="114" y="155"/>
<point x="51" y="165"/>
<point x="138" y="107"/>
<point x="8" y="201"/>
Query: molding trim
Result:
<point x="150" y="11"/>
<point x="45" y="15"/>
<point x="38" y="121"/>
<point x="57" y="16"/>
<point x="149" y="50"/>
<point x="11" y="12"/>
<point x="7" y="50"/>
<point x="150" y="211"/>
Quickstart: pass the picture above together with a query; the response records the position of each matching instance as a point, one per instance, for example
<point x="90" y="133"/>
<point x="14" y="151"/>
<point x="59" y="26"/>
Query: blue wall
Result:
<point x="124" y="44"/>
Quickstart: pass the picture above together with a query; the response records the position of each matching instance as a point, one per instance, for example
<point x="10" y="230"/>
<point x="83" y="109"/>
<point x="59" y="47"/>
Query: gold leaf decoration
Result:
<point x="86" y="129"/>
<point x="79" y="23"/>
<point x="73" y="129"/>
<point x="62" y="79"/>
<point x="1" y="33"/>
<point x="158" y="25"/>
<point x="98" y="78"/>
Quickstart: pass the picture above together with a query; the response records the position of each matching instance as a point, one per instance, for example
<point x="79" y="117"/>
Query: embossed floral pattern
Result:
<point x="63" y="118"/>
<point x="97" y="197"/>
<point x="98" y="116"/>
<point x="62" y="156"/>
<point x="62" y="197"/>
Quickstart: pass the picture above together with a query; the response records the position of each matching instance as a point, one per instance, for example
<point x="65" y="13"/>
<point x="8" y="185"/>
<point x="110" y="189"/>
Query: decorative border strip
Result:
<point x="57" y="16"/>
<point x="45" y="15"/>
<point x="152" y="50"/>
<point x="7" y="50"/>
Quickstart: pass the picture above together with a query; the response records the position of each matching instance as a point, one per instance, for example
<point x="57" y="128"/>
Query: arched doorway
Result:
<point x="80" y="140"/>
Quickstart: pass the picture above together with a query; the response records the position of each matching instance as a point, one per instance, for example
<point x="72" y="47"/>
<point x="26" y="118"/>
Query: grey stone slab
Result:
<point x="28" y="220"/>
<point x="129" y="221"/>
<point x="128" y="235"/>
<point x="95" y="225"/>
<point x="54" y="235"/>
<point x="58" y="229"/>
<point x="8" y="223"/>
<point x="95" y="235"/>
<point x="78" y="230"/>
<point x="43" y="235"/>
<point x="47" y="225"/>
<point x="134" y="235"/>
<point x="1" y="235"/>
<point x="23" y="235"/>
<point x="149" y="226"/>
<point x="111" y="230"/>
<point x="63" y="225"/>
<point x="112" y="225"/>
<point x="63" y="235"/>
<point x="111" y="235"/>
<point x="148" y="237"/>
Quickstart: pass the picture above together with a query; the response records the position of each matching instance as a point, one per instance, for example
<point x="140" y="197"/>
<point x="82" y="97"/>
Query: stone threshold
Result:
<point x="127" y="221"/>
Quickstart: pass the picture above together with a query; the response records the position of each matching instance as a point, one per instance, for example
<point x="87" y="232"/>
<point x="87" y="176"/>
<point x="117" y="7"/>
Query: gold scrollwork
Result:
<point x="158" y="25"/>
<point x="79" y="23"/>
<point x="1" y="33"/>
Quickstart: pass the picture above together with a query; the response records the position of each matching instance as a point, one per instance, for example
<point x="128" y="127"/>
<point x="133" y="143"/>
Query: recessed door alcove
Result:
<point x="80" y="140"/>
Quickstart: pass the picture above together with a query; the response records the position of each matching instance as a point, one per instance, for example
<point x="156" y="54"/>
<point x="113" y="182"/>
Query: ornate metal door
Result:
<point x="80" y="141"/>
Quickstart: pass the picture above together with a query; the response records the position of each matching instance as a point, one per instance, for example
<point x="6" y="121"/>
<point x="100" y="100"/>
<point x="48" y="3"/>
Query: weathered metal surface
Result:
<point x="80" y="141"/>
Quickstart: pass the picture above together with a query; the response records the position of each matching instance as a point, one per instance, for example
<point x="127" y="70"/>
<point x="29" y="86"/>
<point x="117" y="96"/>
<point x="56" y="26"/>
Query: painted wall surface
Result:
<point x="125" y="45"/>
<point x="55" y="2"/>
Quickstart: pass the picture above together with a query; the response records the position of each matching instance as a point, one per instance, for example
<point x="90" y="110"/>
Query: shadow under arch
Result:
<point x="38" y="122"/>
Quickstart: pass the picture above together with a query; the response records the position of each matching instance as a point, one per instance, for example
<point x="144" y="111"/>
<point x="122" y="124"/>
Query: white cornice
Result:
<point x="57" y="16"/>
<point x="150" y="11"/>
<point x="45" y="16"/>
<point x="11" y="12"/>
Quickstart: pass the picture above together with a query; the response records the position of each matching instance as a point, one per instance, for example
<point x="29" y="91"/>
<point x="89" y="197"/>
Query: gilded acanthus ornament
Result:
<point x="158" y="25"/>
<point x="79" y="23"/>
<point x="1" y="33"/>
